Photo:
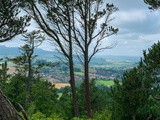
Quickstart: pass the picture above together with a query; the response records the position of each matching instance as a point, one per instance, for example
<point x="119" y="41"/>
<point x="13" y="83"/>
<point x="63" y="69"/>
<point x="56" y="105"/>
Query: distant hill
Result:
<point x="8" y="51"/>
<point x="14" y="51"/>
<point x="50" y="55"/>
<point x="121" y="58"/>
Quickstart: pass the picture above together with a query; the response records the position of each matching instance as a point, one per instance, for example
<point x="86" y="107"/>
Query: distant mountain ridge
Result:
<point x="50" y="55"/>
<point x="8" y="51"/>
<point x="122" y="58"/>
<point x="14" y="51"/>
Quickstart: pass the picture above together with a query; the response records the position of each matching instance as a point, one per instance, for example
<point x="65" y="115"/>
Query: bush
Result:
<point x="40" y="116"/>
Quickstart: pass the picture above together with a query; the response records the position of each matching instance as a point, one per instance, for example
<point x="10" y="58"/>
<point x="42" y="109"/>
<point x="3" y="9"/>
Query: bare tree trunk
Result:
<point x="86" y="64"/>
<point x="87" y="87"/>
<point x="73" y="88"/>
<point x="29" y="74"/>
<point x="7" y="111"/>
<point x="71" y="67"/>
<point x="29" y="79"/>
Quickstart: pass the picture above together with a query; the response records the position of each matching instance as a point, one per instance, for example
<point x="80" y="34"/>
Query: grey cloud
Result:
<point x="148" y="26"/>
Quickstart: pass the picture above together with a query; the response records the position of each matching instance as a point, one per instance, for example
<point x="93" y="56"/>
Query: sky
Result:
<point x="139" y="29"/>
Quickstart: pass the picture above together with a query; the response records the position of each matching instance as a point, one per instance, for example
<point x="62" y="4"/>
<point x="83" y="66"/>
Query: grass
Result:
<point x="99" y="82"/>
<point x="76" y="73"/>
<point x="79" y="73"/>
<point x="105" y="82"/>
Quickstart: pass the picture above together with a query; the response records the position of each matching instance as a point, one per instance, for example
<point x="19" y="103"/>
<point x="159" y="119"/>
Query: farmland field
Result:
<point x="10" y="66"/>
<point x="61" y="85"/>
<point x="105" y="82"/>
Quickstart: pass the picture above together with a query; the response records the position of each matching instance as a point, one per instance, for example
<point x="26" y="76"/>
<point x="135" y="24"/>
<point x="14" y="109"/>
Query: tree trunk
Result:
<point x="30" y="74"/>
<point x="7" y="111"/>
<point x="73" y="88"/>
<point x="86" y="64"/>
<point x="71" y="67"/>
<point x="87" y="90"/>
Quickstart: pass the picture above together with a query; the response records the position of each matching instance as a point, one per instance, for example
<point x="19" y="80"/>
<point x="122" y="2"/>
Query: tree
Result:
<point x="74" y="22"/>
<point x="128" y="97"/>
<point x="116" y="101"/>
<point x="44" y="97"/>
<point x="57" y="24"/>
<point x="139" y="93"/>
<point x="154" y="4"/>
<point x="151" y="66"/>
<point x="3" y="74"/>
<point x="134" y="93"/>
<point x="33" y="40"/>
<point x="10" y="24"/>
<point x="91" y="34"/>
<point x="98" y="96"/>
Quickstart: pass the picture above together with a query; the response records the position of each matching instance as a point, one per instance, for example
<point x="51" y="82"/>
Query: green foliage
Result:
<point x="154" y="4"/>
<point x="151" y="66"/>
<point x="10" y="22"/>
<point x="151" y="108"/>
<point x="103" y="115"/>
<point x="133" y="93"/>
<point x="66" y="104"/>
<point x="15" y="90"/>
<point x="3" y="74"/>
<point x="44" y="97"/>
<point x="41" y="116"/>
<point x="38" y="116"/>
<point x="116" y="103"/>
<point x="139" y="93"/>
<point x="130" y="96"/>
<point x="3" y="71"/>
<point x="24" y="62"/>
<point x="98" y="96"/>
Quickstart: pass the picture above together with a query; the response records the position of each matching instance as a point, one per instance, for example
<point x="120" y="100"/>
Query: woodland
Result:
<point x="73" y="26"/>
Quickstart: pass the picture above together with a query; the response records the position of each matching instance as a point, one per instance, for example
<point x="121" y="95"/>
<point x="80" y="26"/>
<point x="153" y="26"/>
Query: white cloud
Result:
<point x="15" y="42"/>
<point x="150" y="37"/>
<point x="130" y="16"/>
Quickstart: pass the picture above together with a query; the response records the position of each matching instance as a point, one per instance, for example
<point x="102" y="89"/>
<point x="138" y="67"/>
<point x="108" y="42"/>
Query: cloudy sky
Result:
<point x="139" y="28"/>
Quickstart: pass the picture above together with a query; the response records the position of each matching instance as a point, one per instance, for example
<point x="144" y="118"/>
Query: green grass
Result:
<point x="76" y="73"/>
<point x="79" y="73"/>
<point x="105" y="82"/>
<point x="99" y="82"/>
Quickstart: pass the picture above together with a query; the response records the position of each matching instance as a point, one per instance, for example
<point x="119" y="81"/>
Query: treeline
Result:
<point x="137" y="96"/>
